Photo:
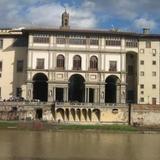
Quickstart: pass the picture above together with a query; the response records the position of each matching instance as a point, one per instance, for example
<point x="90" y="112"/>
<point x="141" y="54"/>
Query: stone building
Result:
<point x="74" y="65"/>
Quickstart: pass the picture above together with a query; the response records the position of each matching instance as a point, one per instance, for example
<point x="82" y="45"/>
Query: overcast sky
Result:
<point x="127" y="15"/>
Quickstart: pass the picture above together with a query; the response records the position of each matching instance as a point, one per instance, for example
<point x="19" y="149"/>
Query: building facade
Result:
<point x="88" y="66"/>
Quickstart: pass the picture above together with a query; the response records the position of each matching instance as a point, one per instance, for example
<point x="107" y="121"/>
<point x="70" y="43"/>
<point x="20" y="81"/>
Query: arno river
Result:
<point x="78" y="145"/>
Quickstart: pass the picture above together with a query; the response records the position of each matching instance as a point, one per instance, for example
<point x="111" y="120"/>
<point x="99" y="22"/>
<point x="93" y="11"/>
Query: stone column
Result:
<point x="65" y="96"/>
<point x="29" y="95"/>
<point x="86" y="95"/>
<point x="118" y="93"/>
<point x="50" y="92"/>
<point x="102" y="93"/>
<point x="123" y="93"/>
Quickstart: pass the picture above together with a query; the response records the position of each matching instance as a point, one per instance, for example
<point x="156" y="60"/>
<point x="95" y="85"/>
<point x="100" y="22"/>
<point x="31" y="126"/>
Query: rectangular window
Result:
<point x="131" y="43"/>
<point x="112" y="65"/>
<point x="153" y="86"/>
<point x="0" y="92"/>
<point x="41" y="38"/>
<point x="153" y="74"/>
<point x="130" y="70"/>
<point x="0" y="66"/>
<point x="40" y="63"/>
<point x="141" y="73"/>
<point x="154" y="100"/>
<point x="154" y="62"/>
<point x="113" y="41"/>
<point x="154" y="52"/>
<point x="142" y="86"/>
<point x="142" y="62"/>
<point x="18" y="92"/>
<point x="77" y="40"/>
<point x="94" y="42"/>
<point x="1" y="43"/>
<point x="20" y="66"/>
<point x="142" y="99"/>
<point x="148" y="44"/>
<point x="141" y="50"/>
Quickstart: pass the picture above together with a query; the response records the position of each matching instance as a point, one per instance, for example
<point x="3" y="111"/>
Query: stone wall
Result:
<point x="145" y="115"/>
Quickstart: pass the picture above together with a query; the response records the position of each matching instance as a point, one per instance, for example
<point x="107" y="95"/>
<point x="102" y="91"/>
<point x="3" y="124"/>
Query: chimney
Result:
<point x="146" y="30"/>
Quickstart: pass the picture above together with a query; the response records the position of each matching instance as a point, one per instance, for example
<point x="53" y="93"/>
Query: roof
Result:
<point x="99" y="32"/>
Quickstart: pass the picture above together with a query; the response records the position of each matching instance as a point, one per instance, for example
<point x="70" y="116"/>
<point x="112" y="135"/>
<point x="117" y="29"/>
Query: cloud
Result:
<point x="144" y="23"/>
<point x="45" y="13"/>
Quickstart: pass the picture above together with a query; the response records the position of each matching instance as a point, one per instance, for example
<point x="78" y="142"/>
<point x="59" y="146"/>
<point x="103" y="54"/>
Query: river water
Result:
<point x="77" y="145"/>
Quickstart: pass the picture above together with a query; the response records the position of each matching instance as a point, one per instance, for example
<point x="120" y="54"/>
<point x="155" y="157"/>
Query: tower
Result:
<point x="65" y="21"/>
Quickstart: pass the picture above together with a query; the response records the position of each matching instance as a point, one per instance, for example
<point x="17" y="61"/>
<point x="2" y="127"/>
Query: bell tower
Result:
<point x="65" y="20"/>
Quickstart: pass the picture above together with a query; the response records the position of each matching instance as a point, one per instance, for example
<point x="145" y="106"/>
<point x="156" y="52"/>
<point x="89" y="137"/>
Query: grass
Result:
<point x="51" y="126"/>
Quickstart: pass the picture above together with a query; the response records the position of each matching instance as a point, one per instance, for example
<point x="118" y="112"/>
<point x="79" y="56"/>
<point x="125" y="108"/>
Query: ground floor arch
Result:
<point x="112" y="89"/>
<point x="40" y="87"/>
<point x="76" y="88"/>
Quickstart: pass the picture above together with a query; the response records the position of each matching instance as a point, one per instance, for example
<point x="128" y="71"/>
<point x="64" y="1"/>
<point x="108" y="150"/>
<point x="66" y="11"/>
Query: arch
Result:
<point x="76" y="88"/>
<point x="40" y="87"/>
<point x="94" y="63"/>
<point x="76" y="62"/>
<point x="111" y="89"/>
<point x="60" y="114"/>
<point x="73" y="114"/>
<point x="84" y="113"/>
<point x="96" y="115"/>
<point x="90" y="114"/>
<point x="60" y="61"/>
<point x="67" y="114"/>
<point x="131" y="77"/>
<point x="78" y="114"/>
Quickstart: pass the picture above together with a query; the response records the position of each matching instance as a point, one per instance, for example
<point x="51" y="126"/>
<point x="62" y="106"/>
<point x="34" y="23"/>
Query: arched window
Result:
<point x="76" y="62"/>
<point x="60" y="61"/>
<point x="94" y="63"/>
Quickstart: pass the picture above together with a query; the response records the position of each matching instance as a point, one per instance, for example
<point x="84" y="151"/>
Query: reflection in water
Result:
<point x="69" y="145"/>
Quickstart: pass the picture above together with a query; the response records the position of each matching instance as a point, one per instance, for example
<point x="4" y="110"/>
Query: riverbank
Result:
<point x="40" y="125"/>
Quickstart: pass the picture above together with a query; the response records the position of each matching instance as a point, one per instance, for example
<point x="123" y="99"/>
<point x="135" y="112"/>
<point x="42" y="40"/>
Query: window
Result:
<point x="153" y="52"/>
<point x="60" y="39"/>
<point x="60" y="61"/>
<point x="141" y="73"/>
<point x="113" y="41"/>
<point x="112" y="65"/>
<point x="154" y="100"/>
<point x="40" y="63"/>
<point x="94" y="41"/>
<point x="1" y="43"/>
<point x="148" y="44"/>
<point x="153" y="74"/>
<point x="153" y="86"/>
<point x="78" y="40"/>
<point x="76" y="62"/>
<point x="94" y="63"/>
<point x="142" y="86"/>
<point x="0" y="66"/>
<point x="142" y="62"/>
<point x="41" y="38"/>
<point x="0" y="93"/>
<point x="18" y="92"/>
<point x="130" y="70"/>
<point x="131" y="43"/>
<point x="20" y="66"/>
<point x="142" y="92"/>
<point x="154" y="62"/>
<point x="141" y="50"/>
<point x="142" y="99"/>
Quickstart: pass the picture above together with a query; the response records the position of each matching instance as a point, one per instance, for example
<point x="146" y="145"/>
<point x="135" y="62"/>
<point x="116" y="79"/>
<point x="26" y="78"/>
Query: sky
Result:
<point x="125" y="15"/>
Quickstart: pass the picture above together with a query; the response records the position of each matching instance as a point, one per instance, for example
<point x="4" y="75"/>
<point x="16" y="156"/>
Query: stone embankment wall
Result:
<point x="145" y="115"/>
<point x="137" y="115"/>
<point x="65" y="113"/>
